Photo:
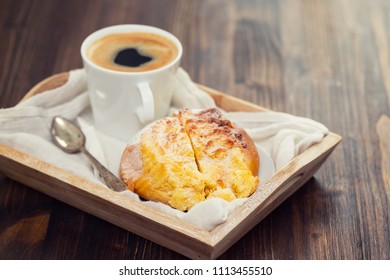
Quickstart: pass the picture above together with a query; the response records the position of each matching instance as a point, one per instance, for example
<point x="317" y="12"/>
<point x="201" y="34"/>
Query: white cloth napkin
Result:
<point x="26" y="127"/>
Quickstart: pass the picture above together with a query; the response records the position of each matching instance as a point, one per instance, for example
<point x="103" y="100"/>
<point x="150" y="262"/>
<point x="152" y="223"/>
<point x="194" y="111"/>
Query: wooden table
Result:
<point x="325" y="60"/>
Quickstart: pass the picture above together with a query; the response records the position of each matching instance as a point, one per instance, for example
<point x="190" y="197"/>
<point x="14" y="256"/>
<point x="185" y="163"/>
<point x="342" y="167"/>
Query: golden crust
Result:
<point x="211" y="126"/>
<point x="183" y="160"/>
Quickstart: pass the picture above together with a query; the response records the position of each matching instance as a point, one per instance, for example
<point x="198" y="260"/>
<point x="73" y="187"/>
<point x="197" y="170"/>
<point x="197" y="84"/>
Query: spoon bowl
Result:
<point x="67" y="135"/>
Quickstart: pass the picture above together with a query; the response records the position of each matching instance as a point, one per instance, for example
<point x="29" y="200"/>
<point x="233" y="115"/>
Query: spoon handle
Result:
<point x="111" y="180"/>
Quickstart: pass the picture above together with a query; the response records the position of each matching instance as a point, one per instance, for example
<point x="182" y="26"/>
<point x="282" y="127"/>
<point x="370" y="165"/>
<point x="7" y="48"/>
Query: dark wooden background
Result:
<point x="326" y="60"/>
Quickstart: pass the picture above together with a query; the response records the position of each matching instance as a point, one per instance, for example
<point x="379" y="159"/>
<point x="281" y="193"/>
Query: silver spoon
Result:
<point x="69" y="137"/>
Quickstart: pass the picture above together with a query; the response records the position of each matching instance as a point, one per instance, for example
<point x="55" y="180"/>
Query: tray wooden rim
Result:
<point x="190" y="241"/>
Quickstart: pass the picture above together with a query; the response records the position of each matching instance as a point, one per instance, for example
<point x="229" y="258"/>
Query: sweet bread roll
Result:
<point x="185" y="159"/>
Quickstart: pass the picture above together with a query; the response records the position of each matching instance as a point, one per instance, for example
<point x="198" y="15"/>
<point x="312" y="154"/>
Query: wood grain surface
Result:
<point x="326" y="60"/>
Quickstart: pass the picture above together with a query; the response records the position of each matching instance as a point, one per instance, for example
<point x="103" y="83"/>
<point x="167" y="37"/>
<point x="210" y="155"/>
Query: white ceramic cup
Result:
<point x="124" y="102"/>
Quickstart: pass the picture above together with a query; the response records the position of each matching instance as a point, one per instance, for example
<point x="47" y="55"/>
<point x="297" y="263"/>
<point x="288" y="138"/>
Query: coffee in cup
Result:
<point x="132" y="51"/>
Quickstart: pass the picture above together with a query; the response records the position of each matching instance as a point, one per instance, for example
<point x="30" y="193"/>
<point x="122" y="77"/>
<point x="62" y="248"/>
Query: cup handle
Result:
<point x="145" y="112"/>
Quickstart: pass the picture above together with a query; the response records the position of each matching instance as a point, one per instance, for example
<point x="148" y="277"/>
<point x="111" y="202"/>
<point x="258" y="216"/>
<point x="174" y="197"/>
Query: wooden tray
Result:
<point x="150" y="223"/>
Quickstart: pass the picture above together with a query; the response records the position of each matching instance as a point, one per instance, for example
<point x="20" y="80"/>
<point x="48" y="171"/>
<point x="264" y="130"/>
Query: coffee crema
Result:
<point x="132" y="51"/>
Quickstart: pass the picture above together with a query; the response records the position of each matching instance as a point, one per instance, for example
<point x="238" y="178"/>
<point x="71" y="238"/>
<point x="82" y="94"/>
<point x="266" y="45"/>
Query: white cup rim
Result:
<point x="129" y="28"/>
